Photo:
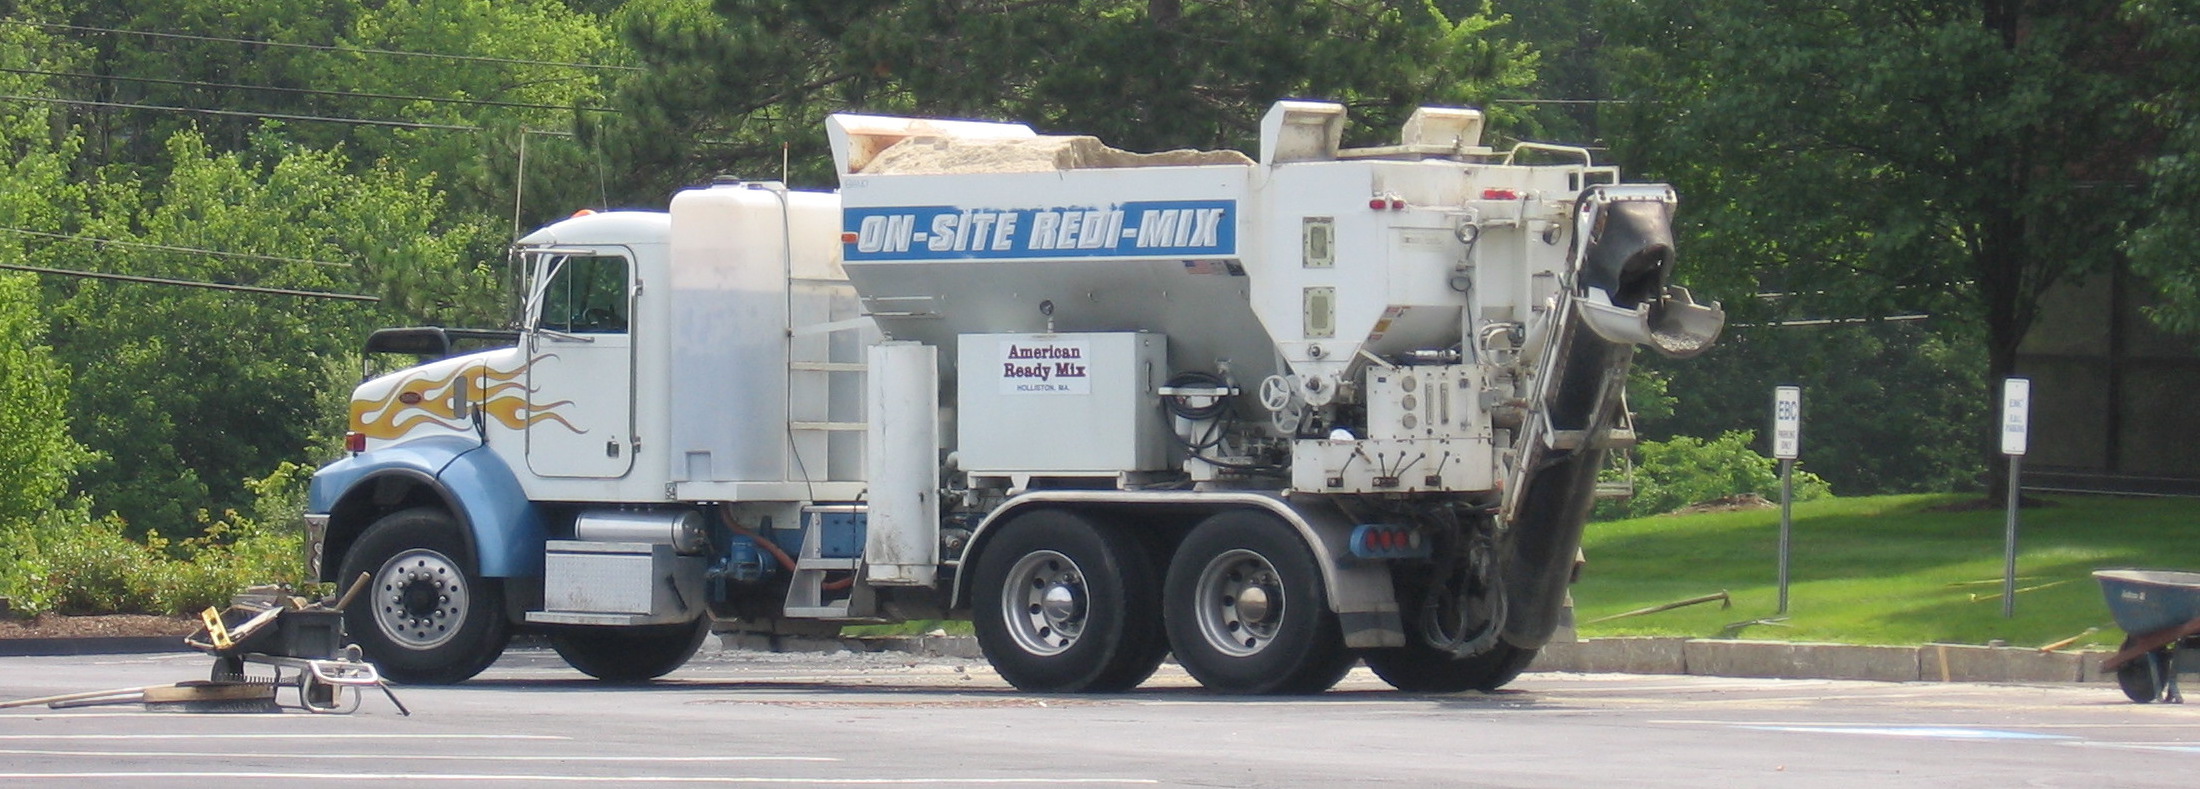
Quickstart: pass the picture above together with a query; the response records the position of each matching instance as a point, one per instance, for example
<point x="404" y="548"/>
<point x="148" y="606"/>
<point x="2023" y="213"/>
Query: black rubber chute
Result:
<point x="1630" y="252"/>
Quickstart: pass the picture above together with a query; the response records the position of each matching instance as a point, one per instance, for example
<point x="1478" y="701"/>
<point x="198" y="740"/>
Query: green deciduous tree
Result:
<point x="38" y="458"/>
<point x="531" y="64"/>
<point x="1878" y="415"/>
<point x="2166" y="235"/>
<point x="733" y="90"/>
<point x="1869" y="159"/>
<point x="188" y="392"/>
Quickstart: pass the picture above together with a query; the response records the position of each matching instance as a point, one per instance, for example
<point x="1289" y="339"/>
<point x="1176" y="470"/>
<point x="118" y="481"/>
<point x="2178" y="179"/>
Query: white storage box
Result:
<point x="1061" y="404"/>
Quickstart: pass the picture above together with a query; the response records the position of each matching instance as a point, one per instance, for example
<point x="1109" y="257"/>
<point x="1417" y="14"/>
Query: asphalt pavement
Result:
<point x="906" y="718"/>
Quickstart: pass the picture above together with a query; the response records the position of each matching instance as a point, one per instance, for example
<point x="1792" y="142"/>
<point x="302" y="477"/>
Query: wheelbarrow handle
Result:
<point x="357" y="585"/>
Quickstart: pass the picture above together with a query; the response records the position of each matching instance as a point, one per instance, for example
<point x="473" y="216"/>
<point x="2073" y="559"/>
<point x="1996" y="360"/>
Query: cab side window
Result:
<point x="587" y="295"/>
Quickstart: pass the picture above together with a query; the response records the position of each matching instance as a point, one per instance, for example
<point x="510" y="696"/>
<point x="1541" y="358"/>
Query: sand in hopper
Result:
<point x="941" y="155"/>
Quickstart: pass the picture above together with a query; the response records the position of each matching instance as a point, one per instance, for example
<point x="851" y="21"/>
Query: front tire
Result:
<point x="630" y="654"/>
<point x="1247" y="612"/>
<point x="2146" y="676"/>
<point x="428" y="617"/>
<point x="1063" y="604"/>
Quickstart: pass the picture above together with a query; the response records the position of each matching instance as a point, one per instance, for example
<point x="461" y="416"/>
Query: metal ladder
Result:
<point x="817" y="385"/>
<point x="808" y="596"/>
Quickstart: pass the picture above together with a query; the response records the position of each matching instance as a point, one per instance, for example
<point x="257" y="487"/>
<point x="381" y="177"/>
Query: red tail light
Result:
<point x="355" y="442"/>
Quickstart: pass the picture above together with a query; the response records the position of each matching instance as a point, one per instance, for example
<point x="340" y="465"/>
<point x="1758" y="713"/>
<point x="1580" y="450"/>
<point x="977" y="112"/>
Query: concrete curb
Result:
<point x="1689" y="656"/>
<point x="1789" y="660"/>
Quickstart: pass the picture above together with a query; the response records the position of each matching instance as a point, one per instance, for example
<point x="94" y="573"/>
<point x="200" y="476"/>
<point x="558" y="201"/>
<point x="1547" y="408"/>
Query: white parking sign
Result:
<point x="2016" y="413"/>
<point x="1787" y="422"/>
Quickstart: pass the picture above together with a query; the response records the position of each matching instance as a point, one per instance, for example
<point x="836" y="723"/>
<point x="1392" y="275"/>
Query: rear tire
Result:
<point x="1065" y="604"/>
<point x="427" y="617"/>
<point x="630" y="654"/>
<point x="1420" y="668"/>
<point x="1247" y="612"/>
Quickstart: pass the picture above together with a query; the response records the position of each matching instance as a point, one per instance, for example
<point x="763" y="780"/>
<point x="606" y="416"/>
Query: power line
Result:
<point x="1562" y="101"/>
<point x="271" y="115"/>
<point x="1901" y="318"/>
<point x="318" y="47"/>
<point x="168" y="248"/>
<point x="307" y="91"/>
<point x="308" y="294"/>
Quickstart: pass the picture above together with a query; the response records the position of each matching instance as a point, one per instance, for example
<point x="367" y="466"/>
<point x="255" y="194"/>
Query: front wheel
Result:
<point x="428" y="617"/>
<point x="630" y="654"/>
<point x="2146" y="677"/>
<point x="1247" y="612"/>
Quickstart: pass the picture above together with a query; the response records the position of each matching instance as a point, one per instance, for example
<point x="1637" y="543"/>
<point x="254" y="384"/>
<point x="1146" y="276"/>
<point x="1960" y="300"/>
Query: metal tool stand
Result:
<point x="322" y="683"/>
<point x="307" y="640"/>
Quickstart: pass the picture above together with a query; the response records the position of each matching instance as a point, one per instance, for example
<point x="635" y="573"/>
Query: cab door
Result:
<point x="580" y="371"/>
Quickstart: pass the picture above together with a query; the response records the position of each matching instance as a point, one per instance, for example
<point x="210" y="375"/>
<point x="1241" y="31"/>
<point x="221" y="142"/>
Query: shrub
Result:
<point x="72" y="563"/>
<point x="1687" y="470"/>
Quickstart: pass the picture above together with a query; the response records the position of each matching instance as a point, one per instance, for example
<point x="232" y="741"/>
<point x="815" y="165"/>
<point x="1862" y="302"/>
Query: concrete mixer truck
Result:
<point x="1270" y="415"/>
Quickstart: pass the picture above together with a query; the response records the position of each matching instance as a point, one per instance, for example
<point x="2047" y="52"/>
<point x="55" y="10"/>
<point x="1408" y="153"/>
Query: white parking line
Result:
<point x="2117" y="725"/>
<point x="2173" y="747"/>
<point x="140" y="714"/>
<point x="250" y="736"/>
<point x="1930" y="732"/>
<point x="416" y="757"/>
<point x="684" y="779"/>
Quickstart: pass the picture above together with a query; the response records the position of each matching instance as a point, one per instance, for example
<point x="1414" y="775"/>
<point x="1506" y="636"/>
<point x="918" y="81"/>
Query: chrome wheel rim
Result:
<point x="1239" y="603"/>
<point x="420" y="598"/>
<point x="1044" y="603"/>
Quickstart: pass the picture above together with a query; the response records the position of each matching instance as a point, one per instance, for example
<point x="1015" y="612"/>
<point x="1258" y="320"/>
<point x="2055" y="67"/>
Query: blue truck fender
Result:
<point x="501" y="526"/>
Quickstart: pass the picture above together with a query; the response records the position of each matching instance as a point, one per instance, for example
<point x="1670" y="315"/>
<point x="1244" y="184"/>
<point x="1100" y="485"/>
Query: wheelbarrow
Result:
<point x="2159" y="611"/>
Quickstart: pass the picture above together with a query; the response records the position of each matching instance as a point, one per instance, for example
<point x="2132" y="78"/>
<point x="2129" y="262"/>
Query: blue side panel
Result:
<point x="506" y="529"/>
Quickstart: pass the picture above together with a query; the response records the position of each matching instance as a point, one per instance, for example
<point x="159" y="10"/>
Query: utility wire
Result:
<point x="1562" y="101"/>
<point x="167" y="248"/>
<point x="308" y="91"/>
<point x="1902" y="318"/>
<point x="308" y="294"/>
<point x="273" y="115"/>
<point x="317" y="47"/>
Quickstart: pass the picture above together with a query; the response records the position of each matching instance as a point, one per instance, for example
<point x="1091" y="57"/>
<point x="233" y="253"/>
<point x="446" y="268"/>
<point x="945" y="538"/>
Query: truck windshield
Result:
<point x="585" y="295"/>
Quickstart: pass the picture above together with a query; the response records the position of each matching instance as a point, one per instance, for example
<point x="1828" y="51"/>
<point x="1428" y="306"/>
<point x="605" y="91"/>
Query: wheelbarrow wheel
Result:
<point x="2144" y="678"/>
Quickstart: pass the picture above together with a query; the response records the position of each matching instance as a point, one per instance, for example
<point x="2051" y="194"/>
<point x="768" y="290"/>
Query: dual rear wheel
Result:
<point x="1065" y="602"/>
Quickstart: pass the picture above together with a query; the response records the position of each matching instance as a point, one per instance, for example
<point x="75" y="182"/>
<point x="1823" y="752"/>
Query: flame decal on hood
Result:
<point x="498" y="395"/>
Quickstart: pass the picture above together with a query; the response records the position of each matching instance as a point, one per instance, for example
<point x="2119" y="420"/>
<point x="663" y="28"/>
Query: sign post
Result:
<point x="1787" y="438"/>
<point x="2016" y="409"/>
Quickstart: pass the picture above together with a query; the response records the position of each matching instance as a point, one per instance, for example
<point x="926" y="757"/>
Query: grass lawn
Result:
<point x="1882" y="570"/>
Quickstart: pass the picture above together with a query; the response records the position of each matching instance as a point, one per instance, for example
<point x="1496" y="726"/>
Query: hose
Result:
<point x="725" y="516"/>
<point x="1177" y="405"/>
<point x="1483" y="568"/>
<point x="1217" y="413"/>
